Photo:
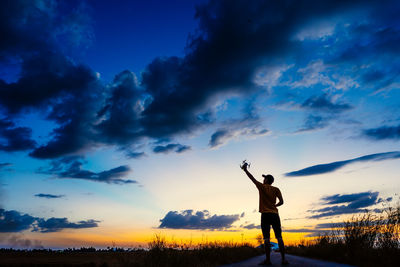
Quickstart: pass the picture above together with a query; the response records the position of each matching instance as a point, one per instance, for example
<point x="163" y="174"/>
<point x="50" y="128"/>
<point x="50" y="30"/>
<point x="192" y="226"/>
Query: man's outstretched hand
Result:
<point x="244" y="165"/>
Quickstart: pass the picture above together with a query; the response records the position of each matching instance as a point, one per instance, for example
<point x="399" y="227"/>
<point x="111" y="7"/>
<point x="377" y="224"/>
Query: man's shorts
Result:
<point x="268" y="219"/>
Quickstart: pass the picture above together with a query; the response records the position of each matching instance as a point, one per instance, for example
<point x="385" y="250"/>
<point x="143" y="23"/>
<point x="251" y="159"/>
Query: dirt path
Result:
<point x="293" y="261"/>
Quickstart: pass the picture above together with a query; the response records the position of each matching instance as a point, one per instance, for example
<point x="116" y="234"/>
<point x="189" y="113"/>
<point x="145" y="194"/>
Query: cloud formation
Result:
<point x="251" y="226"/>
<point x="322" y="110"/>
<point x="177" y="148"/>
<point x="333" y="166"/>
<point x="34" y="35"/>
<point x="13" y="221"/>
<point x="324" y="104"/>
<point x="383" y="133"/>
<point x="13" y="138"/>
<point x="352" y="203"/>
<point x="71" y="168"/>
<point x="187" y="219"/>
<point x="57" y="224"/>
<point x="49" y="196"/>
<point x="174" y="96"/>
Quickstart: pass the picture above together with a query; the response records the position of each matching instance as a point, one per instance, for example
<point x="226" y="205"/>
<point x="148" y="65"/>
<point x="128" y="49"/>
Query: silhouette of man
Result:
<point x="269" y="212"/>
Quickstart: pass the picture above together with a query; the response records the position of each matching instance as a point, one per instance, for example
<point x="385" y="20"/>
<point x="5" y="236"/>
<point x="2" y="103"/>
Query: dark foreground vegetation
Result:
<point x="160" y="253"/>
<point x="364" y="240"/>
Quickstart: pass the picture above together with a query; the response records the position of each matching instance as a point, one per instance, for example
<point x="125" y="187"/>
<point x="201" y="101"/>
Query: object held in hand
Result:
<point x="244" y="165"/>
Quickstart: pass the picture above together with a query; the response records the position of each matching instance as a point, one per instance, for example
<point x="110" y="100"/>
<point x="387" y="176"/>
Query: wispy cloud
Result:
<point x="177" y="148"/>
<point x="251" y="226"/>
<point x="58" y="224"/>
<point x="71" y="168"/>
<point x="135" y="155"/>
<point x="333" y="166"/>
<point x="345" y="204"/>
<point x="383" y="133"/>
<point x="50" y="196"/>
<point x="324" y="103"/>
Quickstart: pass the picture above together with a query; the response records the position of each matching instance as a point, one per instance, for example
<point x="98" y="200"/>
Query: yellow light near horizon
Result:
<point x="142" y="237"/>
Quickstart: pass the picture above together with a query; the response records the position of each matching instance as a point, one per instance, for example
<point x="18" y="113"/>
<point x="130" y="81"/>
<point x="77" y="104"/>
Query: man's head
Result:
<point x="268" y="179"/>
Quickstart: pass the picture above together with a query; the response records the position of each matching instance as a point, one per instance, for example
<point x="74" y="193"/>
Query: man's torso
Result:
<point x="268" y="195"/>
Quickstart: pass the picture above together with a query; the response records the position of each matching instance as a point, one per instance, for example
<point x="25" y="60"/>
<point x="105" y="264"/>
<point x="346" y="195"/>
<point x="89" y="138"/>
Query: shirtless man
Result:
<point x="269" y="212"/>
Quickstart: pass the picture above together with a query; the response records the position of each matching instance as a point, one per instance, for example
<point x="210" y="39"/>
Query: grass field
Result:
<point x="364" y="240"/>
<point x="159" y="253"/>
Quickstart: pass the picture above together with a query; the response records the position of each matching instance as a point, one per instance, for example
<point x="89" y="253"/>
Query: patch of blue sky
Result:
<point x="41" y="128"/>
<point x="144" y="38"/>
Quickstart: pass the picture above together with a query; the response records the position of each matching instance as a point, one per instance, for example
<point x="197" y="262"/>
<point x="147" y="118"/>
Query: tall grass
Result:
<point x="363" y="240"/>
<point x="214" y="253"/>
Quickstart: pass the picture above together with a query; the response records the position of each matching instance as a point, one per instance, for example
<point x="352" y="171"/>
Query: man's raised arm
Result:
<point x="244" y="168"/>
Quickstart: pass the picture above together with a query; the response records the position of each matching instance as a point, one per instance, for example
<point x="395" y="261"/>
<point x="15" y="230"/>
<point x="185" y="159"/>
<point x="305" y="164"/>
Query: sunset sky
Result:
<point x="124" y="119"/>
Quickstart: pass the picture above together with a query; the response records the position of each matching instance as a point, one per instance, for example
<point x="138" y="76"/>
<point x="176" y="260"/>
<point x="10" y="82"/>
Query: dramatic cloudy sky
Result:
<point x="123" y="119"/>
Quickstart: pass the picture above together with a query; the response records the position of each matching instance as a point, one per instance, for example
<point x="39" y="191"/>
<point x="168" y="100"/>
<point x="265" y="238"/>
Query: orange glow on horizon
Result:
<point x="141" y="238"/>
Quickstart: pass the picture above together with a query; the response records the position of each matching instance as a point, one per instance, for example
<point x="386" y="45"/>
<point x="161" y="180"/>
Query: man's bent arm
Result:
<point x="280" y="202"/>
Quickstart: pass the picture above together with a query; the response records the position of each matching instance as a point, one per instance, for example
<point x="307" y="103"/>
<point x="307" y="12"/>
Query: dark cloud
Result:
<point x="67" y="93"/>
<point x="50" y="196"/>
<point x="58" y="224"/>
<point x="199" y="220"/>
<point x="333" y="166"/>
<point x="14" y="221"/>
<point x="338" y="199"/>
<point x="313" y="122"/>
<point x="383" y="133"/>
<point x="219" y="137"/>
<point x="30" y="26"/>
<point x="71" y="168"/>
<point x="223" y="136"/>
<point x="135" y="155"/>
<point x="74" y="112"/>
<point x="251" y="226"/>
<point x="354" y="203"/>
<point x="324" y="103"/>
<point x="13" y="138"/>
<point x="230" y="44"/>
<point x="45" y="78"/>
<point x="34" y="34"/>
<point x="175" y="95"/>
<point x="120" y="114"/>
<point x="323" y="109"/>
<point x="178" y="148"/>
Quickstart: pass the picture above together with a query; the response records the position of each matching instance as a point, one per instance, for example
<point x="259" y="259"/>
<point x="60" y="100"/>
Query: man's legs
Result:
<point x="276" y="225"/>
<point x="265" y="228"/>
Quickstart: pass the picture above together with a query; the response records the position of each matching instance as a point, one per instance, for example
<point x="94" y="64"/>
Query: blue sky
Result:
<point x="121" y="119"/>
